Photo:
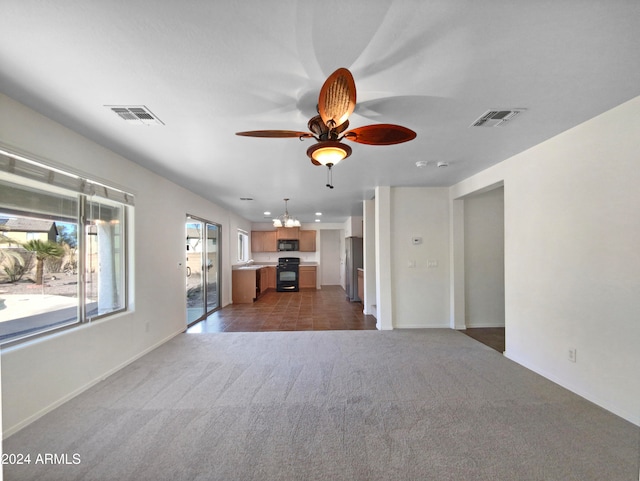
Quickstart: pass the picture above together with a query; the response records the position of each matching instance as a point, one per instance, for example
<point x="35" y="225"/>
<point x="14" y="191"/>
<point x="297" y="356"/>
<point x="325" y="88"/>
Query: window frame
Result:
<point x="47" y="180"/>
<point x="243" y="245"/>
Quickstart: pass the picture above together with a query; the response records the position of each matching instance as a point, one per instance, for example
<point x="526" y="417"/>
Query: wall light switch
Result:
<point x="432" y="263"/>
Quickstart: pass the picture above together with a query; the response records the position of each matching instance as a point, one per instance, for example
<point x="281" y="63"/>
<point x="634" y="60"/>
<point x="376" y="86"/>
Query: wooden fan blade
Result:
<point x="274" y="133"/>
<point x="380" y="134"/>
<point x="337" y="98"/>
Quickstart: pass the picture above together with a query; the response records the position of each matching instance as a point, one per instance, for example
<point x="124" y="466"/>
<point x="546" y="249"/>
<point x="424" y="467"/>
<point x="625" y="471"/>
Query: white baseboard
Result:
<point x="631" y="417"/>
<point x="34" y="417"/>
<point x="443" y="325"/>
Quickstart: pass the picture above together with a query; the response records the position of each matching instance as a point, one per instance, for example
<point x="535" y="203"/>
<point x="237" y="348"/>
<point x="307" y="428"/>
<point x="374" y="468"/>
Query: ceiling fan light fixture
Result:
<point x="329" y="152"/>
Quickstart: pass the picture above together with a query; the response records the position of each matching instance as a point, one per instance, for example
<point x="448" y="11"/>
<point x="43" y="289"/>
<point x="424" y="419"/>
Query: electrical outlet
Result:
<point x="571" y="355"/>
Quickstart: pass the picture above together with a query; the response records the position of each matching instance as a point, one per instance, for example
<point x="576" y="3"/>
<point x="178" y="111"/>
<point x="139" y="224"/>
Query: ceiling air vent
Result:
<point x="138" y="114"/>
<point x="495" y="117"/>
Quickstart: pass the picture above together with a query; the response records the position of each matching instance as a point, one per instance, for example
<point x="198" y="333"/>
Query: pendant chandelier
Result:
<point x="285" y="220"/>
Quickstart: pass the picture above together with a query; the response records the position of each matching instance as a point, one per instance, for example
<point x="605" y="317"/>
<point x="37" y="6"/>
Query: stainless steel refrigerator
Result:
<point x="353" y="261"/>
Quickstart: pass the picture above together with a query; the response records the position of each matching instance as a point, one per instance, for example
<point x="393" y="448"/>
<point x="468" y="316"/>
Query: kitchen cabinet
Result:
<point x="243" y="286"/>
<point x="287" y="233"/>
<point x="247" y="285"/>
<point x="271" y="277"/>
<point x="262" y="281"/>
<point x="267" y="240"/>
<point x="263" y="241"/>
<point x="307" y="241"/>
<point x="307" y="277"/>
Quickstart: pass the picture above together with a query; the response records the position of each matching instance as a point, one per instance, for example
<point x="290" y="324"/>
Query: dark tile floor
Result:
<point x="307" y="310"/>
<point x="311" y="310"/>
<point x="491" y="336"/>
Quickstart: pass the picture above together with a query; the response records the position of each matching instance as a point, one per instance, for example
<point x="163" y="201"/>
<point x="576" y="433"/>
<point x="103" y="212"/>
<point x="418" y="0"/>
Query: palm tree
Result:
<point x="11" y="260"/>
<point x="8" y="253"/>
<point x="43" y="250"/>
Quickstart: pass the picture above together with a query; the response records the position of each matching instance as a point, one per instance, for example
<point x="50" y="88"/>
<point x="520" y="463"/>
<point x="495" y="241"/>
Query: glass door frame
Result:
<point x="204" y="268"/>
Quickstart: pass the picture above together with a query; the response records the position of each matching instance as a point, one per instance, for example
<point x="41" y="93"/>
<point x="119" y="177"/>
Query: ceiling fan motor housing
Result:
<point x="322" y="132"/>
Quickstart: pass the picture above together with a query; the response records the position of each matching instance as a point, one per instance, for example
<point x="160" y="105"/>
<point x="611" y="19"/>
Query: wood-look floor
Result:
<point x="307" y="310"/>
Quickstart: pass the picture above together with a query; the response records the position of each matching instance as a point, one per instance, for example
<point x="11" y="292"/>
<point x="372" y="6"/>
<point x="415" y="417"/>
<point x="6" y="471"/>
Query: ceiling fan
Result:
<point x="336" y="103"/>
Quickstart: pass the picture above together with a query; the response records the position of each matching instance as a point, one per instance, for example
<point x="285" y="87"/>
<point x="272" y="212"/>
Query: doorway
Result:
<point x="484" y="283"/>
<point x="203" y="268"/>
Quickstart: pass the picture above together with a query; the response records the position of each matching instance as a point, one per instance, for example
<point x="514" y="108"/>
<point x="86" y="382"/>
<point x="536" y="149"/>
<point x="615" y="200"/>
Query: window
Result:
<point x="105" y="257"/>
<point x="243" y="246"/>
<point x="62" y="249"/>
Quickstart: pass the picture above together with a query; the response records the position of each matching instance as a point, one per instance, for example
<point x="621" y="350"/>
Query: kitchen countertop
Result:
<point x="255" y="267"/>
<point x="252" y="267"/>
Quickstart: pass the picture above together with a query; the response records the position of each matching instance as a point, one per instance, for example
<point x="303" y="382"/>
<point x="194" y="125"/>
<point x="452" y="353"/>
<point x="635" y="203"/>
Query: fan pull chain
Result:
<point x="329" y="176"/>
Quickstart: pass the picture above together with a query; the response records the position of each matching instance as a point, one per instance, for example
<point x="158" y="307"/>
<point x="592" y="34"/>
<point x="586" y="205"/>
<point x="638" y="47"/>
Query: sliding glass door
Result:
<point x="203" y="268"/>
<point x="212" y="297"/>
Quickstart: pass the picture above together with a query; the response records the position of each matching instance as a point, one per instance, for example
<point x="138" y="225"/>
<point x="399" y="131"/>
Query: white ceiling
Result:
<point x="211" y="68"/>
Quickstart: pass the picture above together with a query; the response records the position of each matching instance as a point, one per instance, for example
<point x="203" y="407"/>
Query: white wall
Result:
<point x="484" y="259"/>
<point x="329" y="247"/>
<point x="572" y="257"/>
<point x="369" y="258"/>
<point x="39" y="375"/>
<point x="353" y="226"/>
<point x="383" y="258"/>
<point x="420" y="272"/>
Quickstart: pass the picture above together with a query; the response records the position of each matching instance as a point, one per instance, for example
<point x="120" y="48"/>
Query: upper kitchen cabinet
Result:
<point x="307" y="241"/>
<point x="287" y="233"/>
<point x="267" y="240"/>
<point x="264" y="241"/>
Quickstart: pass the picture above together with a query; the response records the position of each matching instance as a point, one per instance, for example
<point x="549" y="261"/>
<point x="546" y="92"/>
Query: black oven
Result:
<point x="287" y="274"/>
<point x="288" y="245"/>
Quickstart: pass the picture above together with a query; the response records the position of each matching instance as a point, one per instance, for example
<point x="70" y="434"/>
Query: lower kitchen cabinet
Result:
<point x="244" y="286"/>
<point x="271" y="277"/>
<point x="307" y="277"/>
<point x="249" y="284"/>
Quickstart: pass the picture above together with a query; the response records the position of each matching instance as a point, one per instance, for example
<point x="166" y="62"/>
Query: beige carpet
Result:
<point x="333" y="405"/>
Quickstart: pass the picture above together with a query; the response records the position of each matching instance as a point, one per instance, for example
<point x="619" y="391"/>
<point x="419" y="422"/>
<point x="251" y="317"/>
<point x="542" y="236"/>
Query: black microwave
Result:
<point x="288" y="245"/>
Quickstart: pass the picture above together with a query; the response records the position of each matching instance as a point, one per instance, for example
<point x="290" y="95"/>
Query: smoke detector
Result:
<point x="421" y="164"/>
<point x="135" y="114"/>
<point x="443" y="164"/>
<point x="495" y="117"/>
